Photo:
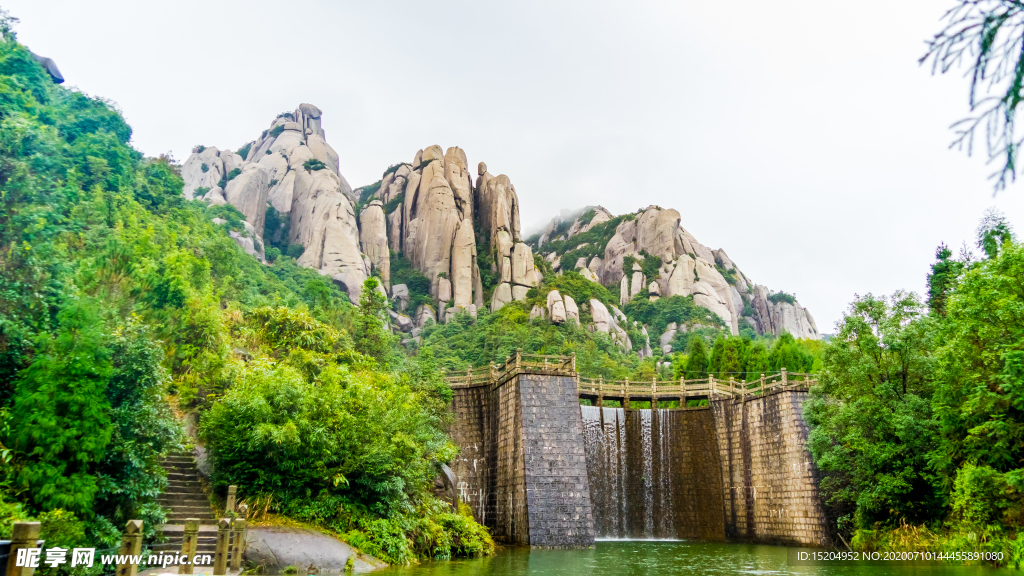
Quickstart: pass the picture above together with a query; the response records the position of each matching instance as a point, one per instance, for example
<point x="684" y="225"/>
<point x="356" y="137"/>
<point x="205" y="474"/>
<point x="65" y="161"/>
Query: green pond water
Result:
<point x="634" y="557"/>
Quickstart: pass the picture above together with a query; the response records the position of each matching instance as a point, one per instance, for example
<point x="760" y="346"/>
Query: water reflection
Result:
<point x="629" y="558"/>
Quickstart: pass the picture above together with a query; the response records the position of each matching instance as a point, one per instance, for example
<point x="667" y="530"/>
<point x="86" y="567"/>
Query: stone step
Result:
<point x="181" y="483"/>
<point x="197" y="510"/>
<point x="184" y="484"/>
<point x="181" y="469"/>
<point x="171" y="529"/>
<point x="173" y="500"/>
<point x="176" y="518"/>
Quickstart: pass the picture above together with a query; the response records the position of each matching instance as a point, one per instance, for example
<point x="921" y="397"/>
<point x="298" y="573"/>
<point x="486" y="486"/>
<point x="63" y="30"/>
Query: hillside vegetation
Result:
<point x="116" y="293"/>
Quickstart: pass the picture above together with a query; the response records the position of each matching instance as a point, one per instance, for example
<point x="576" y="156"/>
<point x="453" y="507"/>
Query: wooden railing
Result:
<point x="710" y="387"/>
<point x="530" y="363"/>
<point x="701" y="387"/>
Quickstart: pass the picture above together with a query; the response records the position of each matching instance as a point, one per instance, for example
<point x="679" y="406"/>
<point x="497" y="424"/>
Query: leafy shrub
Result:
<point x="295" y="251"/>
<point x="312" y="165"/>
<point x="394" y="168"/>
<point x="204" y="168"/>
<point x="402" y="272"/>
<point x="394" y="203"/>
<point x="679" y="309"/>
<point x="276" y="131"/>
<point x="244" y="150"/>
<point x="572" y="249"/>
<point x="980" y="495"/>
<point x="234" y="172"/>
<point x="235" y="219"/>
<point x="776" y="297"/>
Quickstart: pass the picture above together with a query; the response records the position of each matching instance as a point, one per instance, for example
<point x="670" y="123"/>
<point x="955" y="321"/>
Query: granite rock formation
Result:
<point x="688" y="268"/>
<point x="448" y="222"/>
<point x="293" y="169"/>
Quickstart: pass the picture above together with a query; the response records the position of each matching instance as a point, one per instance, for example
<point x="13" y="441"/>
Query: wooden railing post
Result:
<point x="784" y="380"/>
<point x="190" y="537"/>
<point x="469" y="376"/>
<point x="230" y="506"/>
<point x="238" y="547"/>
<point x="24" y="537"/>
<point x="519" y="358"/>
<point x="574" y="362"/>
<point x="131" y="546"/>
<point x="625" y="394"/>
<point x="654" y="393"/>
<point x="494" y="372"/>
<point x="220" y="556"/>
<point x="807" y="381"/>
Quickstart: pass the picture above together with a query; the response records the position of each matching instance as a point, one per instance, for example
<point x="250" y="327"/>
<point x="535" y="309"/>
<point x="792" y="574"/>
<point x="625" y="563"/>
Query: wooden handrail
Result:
<point x="694" y="387"/>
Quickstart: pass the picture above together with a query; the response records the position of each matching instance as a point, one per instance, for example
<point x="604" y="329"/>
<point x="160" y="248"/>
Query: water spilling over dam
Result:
<point x="539" y="469"/>
<point x="653" y="473"/>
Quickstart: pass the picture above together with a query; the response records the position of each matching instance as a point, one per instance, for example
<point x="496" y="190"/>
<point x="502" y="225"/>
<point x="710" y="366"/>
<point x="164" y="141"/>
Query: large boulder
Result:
<point x="276" y="548"/>
<point x="572" y="311"/>
<point x="522" y="265"/>
<point x="556" y="307"/>
<point x="250" y="241"/>
<point x="203" y="169"/>
<point x="599" y="313"/>
<point x="502" y="295"/>
<point x="655" y="232"/>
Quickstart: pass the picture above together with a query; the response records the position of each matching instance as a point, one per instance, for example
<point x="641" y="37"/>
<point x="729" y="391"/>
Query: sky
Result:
<point x="802" y="136"/>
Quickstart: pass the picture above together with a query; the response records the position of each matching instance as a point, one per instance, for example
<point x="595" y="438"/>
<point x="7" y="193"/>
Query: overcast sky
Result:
<point x="800" y="136"/>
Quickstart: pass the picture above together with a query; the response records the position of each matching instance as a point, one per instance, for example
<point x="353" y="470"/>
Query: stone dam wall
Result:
<point x="522" y="467"/>
<point x="538" y="469"/>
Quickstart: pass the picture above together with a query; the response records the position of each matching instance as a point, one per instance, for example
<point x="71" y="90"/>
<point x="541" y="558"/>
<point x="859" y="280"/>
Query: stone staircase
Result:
<point x="185" y="499"/>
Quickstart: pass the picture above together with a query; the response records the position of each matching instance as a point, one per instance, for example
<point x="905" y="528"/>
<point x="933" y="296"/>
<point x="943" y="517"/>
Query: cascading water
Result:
<point x="653" y="473"/>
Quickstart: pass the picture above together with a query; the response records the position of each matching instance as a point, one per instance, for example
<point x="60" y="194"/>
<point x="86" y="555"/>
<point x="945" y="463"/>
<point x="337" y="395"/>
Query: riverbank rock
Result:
<point x="311" y="552"/>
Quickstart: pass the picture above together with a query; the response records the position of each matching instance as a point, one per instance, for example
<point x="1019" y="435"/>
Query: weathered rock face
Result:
<point x="278" y="169"/>
<point x="782" y="316"/>
<point x="688" y="268"/>
<point x="374" y="240"/>
<point x="323" y="220"/>
<point x="248" y="192"/>
<point x="203" y="169"/>
<point x="498" y="205"/>
<point x="581" y="221"/>
<point x="250" y="241"/>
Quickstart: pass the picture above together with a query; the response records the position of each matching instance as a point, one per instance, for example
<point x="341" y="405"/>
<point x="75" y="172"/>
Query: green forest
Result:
<point x="917" y="423"/>
<point x="124" y="307"/>
<point x="121" y="304"/>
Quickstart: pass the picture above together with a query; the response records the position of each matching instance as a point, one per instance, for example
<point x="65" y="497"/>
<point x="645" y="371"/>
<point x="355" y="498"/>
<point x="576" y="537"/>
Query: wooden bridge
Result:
<point x="598" y="389"/>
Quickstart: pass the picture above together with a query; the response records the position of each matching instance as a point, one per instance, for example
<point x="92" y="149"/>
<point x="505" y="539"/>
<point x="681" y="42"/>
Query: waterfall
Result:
<point x="653" y="473"/>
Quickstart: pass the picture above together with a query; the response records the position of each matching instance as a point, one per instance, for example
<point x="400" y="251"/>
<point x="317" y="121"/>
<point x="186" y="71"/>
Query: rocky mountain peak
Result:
<point x="444" y="225"/>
